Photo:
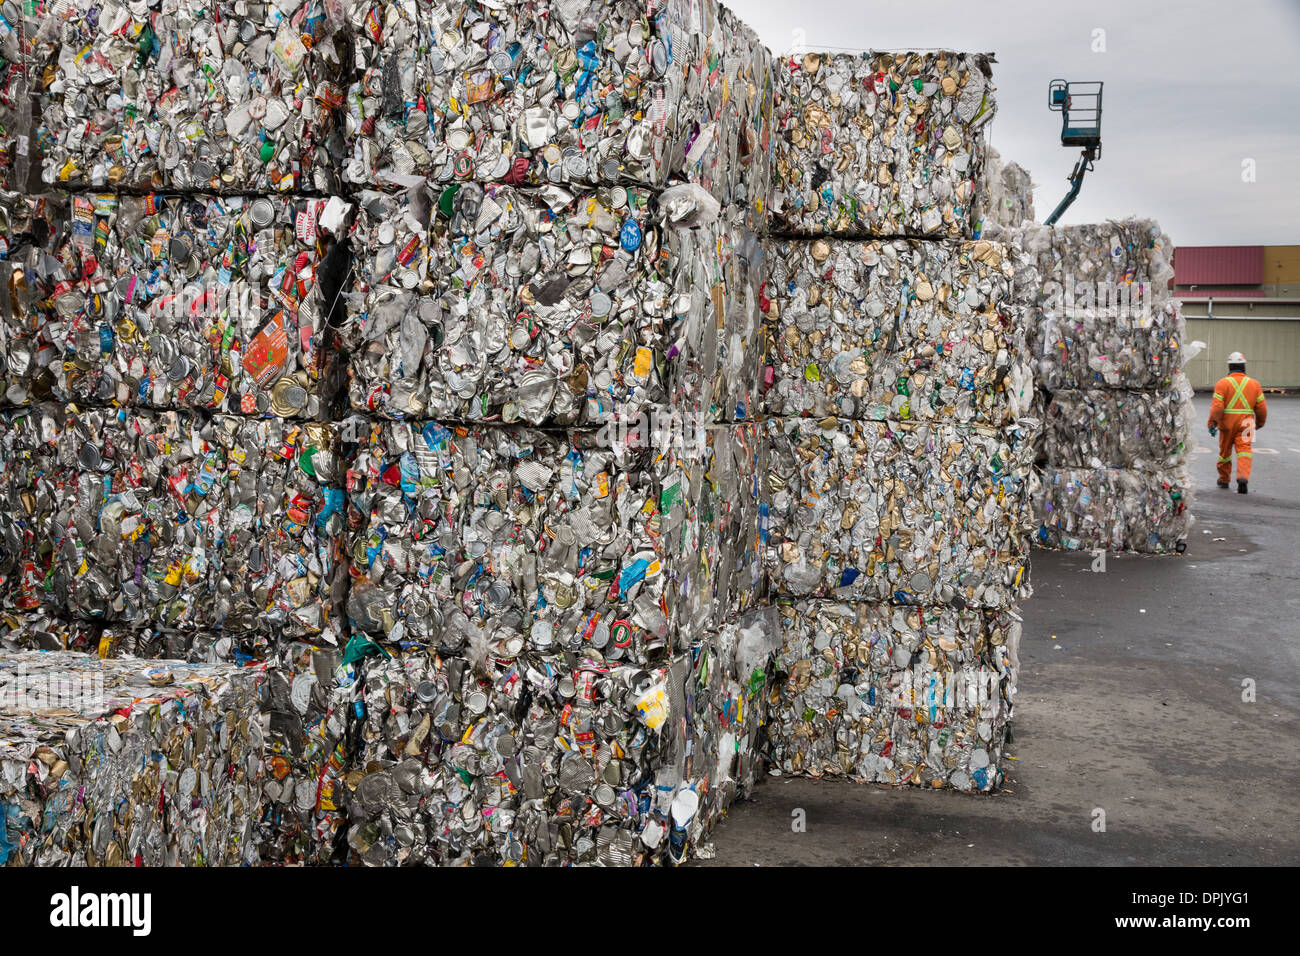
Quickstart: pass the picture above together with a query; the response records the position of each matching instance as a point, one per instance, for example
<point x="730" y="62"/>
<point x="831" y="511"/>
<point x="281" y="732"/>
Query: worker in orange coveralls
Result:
<point x="1237" y="412"/>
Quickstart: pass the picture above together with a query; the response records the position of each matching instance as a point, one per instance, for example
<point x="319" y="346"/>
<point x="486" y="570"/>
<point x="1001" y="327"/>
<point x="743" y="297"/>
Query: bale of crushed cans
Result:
<point x="527" y="757"/>
<point x="179" y="301"/>
<point x="119" y="763"/>
<point x="225" y="97"/>
<point x="308" y="724"/>
<point x="511" y="537"/>
<point x="311" y="726"/>
<point x="899" y="512"/>
<point x="41" y="630"/>
<point x="1106" y="318"/>
<point x="880" y="693"/>
<point x="1145" y="431"/>
<point x="1114" y="509"/>
<point x="24" y="630"/>
<point x="492" y="303"/>
<point x="881" y="144"/>
<point x="575" y="92"/>
<point x="902" y="329"/>
<point x="171" y="521"/>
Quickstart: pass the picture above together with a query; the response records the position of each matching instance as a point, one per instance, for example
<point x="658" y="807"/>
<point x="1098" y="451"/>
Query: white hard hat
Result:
<point x="1236" y="358"/>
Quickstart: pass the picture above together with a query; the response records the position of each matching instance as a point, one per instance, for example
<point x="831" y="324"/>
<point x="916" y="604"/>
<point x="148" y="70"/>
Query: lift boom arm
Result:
<point x="1081" y="168"/>
<point x="1083" y="128"/>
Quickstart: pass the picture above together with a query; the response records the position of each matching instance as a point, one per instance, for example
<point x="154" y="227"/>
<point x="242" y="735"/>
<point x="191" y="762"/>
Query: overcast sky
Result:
<point x="1193" y="88"/>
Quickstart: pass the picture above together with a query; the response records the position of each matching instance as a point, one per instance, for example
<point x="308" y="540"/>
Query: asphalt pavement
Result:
<point x="1134" y="700"/>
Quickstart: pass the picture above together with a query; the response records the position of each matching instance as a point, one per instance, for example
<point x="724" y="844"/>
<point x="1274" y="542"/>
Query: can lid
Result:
<point x="261" y="213"/>
<point x="659" y="57"/>
<point x="89" y="457"/>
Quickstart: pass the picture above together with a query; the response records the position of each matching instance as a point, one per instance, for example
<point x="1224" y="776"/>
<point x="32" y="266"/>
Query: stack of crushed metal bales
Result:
<point x="168" y="439"/>
<point x="413" y="349"/>
<point x="901" y="440"/>
<point x="554" y="473"/>
<point x="169" y="363"/>
<point x="1110" y="347"/>
<point x="479" y="376"/>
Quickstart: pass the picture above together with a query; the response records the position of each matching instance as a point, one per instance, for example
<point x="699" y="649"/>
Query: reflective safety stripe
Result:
<point x="1239" y="404"/>
<point x="1245" y="454"/>
<point x="1218" y="396"/>
<point x="1229" y="458"/>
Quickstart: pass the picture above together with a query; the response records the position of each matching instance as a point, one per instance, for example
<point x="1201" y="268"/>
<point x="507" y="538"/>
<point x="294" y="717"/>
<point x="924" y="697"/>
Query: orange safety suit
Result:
<point x="1239" y="410"/>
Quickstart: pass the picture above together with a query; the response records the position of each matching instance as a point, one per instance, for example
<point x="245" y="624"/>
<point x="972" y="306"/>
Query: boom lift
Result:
<point x="1080" y="107"/>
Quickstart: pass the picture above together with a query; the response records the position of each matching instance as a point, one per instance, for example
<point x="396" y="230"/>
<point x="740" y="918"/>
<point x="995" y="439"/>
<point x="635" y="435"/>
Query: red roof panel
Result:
<point x="1218" y="265"/>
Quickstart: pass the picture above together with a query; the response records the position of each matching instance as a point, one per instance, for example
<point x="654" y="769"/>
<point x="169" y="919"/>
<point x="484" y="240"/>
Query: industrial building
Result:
<point x="1241" y="298"/>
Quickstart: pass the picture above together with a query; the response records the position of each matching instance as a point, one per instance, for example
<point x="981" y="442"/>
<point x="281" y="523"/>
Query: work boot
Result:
<point x="1223" y="484"/>
<point x="1241" y="487"/>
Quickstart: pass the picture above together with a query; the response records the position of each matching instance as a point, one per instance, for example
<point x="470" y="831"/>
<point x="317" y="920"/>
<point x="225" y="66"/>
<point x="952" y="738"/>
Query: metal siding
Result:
<point x="1222" y="292"/>
<point x="1218" y="265"/>
<point x="1281" y="265"/>
<point x="1272" y="350"/>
